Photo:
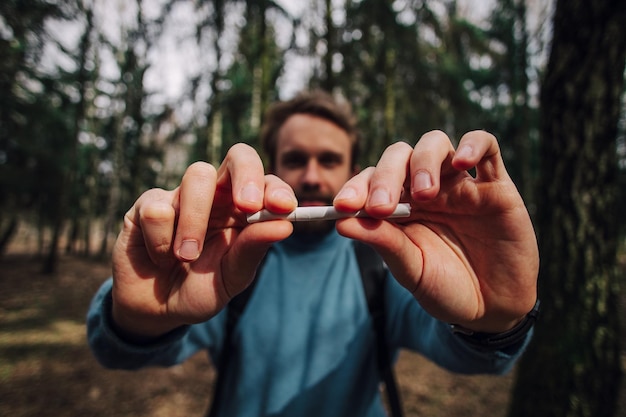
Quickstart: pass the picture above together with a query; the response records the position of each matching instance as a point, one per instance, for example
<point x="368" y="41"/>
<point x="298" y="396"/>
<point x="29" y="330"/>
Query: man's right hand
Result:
<point x="183" y="254"/>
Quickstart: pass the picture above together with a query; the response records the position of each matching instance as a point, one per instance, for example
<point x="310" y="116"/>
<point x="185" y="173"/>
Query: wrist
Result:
<point x="136" y="329"/>
<point x="499" y="340"/>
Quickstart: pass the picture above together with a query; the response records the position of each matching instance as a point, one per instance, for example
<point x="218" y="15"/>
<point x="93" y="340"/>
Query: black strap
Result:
<point x="235" y="309"/>
<point x="498" y="341"/>
<point x="373" y="275"/>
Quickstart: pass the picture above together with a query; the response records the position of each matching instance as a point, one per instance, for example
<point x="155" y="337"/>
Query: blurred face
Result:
<point x="313" y="156"/>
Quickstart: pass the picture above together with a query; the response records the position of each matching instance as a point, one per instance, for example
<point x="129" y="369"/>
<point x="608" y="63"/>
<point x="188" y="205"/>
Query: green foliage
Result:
<point x="33" y="122"/>
<point x="407" y="68"/>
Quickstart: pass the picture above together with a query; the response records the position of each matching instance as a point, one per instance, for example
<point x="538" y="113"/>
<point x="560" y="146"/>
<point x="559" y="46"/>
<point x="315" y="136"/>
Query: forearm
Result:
<point x="409" y="326"/>
<point x="455" y="354"/>
<point x="115" y="350"/>
<point x="138" y="329"/>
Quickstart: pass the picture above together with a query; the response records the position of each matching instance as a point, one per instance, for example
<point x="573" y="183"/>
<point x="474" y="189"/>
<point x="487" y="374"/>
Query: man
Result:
<point x="304" y="345"/>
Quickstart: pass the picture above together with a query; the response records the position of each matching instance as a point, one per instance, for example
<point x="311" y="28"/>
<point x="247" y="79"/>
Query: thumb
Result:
<point x="239" y="265"/>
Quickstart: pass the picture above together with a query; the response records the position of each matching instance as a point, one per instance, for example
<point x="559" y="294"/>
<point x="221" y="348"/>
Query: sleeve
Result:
<point x="410" y="326"/>
<point x="173" y="348"/>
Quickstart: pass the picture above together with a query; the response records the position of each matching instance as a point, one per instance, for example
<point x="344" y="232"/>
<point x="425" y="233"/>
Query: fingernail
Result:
<point x="282" y="194"/>
<point x="422" y="181"/>
<point x="251" y="193"/>
<point x="465" y="152"/>
<point x="189" y="250"/>
<point x="346" y="194"/>
<point x="379" y="198"/>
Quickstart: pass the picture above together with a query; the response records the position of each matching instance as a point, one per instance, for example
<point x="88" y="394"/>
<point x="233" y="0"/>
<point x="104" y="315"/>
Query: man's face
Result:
<point x="313" y="156"/>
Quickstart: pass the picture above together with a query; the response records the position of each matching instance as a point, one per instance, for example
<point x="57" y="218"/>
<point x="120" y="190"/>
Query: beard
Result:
<point x="318" y="227"/>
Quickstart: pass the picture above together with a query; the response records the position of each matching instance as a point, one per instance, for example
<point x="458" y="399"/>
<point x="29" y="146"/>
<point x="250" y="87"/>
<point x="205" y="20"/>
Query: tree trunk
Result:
<point x="52" y="257"/>
<point x="572" y="368"/>
<point x="261" y="67"/>
<point x="66" y="202"/>
<point x="520" y="134"/>
<point x="7" y="233"/>
<point x="72" y="236"/>
<point x="115" y="193"/>
<point x="389" y="135"/>
<point x="328" y="79"/>
<point x="214" y="149"/>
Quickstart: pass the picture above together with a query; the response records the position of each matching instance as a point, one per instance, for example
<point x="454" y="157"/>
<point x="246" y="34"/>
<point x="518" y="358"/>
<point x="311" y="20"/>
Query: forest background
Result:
<point x="101" y="100"/>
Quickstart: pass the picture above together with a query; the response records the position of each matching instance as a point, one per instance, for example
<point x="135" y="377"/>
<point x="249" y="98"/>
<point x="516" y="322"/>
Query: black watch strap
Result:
<point x="496" y="341"/>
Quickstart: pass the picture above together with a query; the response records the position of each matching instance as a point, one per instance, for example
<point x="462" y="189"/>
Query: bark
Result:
<point x="328" y="80"/>
<point x="573" y="368"/>
<point x="520" y="137"/>
<point x="390" y="98"/>
<point x="7" y="232"/>
<point x="261" y="67"/>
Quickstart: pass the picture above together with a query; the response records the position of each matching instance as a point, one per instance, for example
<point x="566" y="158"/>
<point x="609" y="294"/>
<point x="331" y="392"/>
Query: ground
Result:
<point x="46" y="368"/>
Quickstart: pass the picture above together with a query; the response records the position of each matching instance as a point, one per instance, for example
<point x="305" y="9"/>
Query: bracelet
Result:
<point x="496" y="341"/>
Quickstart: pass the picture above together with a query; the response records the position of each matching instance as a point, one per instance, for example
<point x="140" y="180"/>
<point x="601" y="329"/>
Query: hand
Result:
<point x="468" y="253"/>
<point x="183" y="254"/>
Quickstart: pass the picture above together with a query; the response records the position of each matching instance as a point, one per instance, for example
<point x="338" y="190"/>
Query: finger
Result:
<point x="254" y="240"/>
<point x="279" y="196"/>
<point x="430" y="155"/>
<point x="480" y="149"/>
<point x="241" y="174"/>
<point x="154" y="215"/>
<point x="195" y="199"/>
<point x="353" y="194"/>
<point x="240" y="263"/>
<point x="391" y="243"/>
<point x="388" y="179"/>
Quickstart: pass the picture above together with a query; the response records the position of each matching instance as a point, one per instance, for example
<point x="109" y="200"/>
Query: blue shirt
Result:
<point x="305" y="342"/>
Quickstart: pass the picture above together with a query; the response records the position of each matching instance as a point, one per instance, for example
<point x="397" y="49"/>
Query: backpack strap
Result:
<point x="373" y="276"/>
<point x="234" y="310"/>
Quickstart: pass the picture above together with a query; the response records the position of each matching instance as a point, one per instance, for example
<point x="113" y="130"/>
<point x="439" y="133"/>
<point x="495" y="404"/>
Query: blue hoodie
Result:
<point x="305" y="343"/>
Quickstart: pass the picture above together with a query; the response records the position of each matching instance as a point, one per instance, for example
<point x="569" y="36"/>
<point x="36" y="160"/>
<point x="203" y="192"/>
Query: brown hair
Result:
<point x="317" y="103"/>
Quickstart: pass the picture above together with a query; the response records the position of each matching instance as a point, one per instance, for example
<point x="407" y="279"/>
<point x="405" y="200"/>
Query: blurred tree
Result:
<point x="84" y="80"/>
<point x="260" y="54"/>
<point x="573" y="366"/>
<point x="211" y="26"/>
<point x="384" y="68"/>
<point x="409" y="69"/>
<point x="330" y="39"/>
<point x="78" y="83"/>
<point x="464" y="66"/>
<point x="241" y="92"/>
<point x="259" y="58"/>
<point x="22" y="36"/>
<point x="132" y="153"/>
<point x="513" y="120"/>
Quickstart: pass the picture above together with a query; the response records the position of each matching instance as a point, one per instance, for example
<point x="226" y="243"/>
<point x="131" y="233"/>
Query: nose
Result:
<point x="311" y="173"/>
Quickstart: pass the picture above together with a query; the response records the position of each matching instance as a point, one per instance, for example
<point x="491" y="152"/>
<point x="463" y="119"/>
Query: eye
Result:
<point x="330" y="159"/>
<point x="293" y="160"/>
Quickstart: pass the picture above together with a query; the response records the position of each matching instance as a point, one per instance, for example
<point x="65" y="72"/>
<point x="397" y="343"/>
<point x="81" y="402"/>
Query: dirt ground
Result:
<point x="46" y="368"/>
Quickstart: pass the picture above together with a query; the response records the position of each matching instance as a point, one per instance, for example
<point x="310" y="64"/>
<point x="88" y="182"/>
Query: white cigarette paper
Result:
<point x="307" y="214"/>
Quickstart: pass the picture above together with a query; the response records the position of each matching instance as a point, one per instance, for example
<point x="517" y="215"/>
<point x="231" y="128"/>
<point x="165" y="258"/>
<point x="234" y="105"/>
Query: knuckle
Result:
<point x="162" y="247"/>
<point x="400" y="146"/>
<point x="154" y="194"/>
<point x="394" y="153"/>
<point x="239" y="149"/>
<point x="434" y="135"/>
<point x="201" y="170"/>
<point x="481" y="135"/>
<point x="240" y="146"/>
<point x="157" y="211"/>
